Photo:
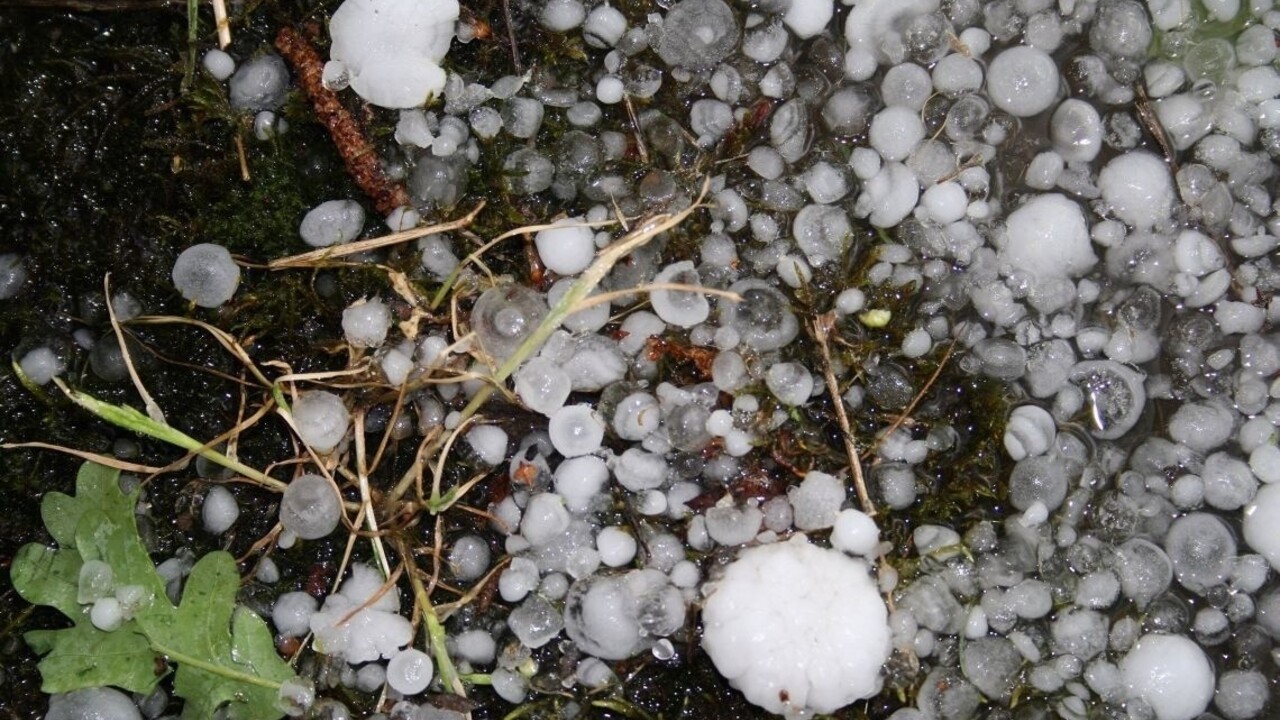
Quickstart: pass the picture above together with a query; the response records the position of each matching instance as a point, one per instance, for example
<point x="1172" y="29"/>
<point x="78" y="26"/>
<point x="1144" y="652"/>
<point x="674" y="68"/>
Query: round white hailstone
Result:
<point x="489" y="443"/>
<point x="409" y="671"/>
<point x="684" y="308"/>
<point x="1138" y="189"/>
<point x="41" y="365"/>
<point x="365" y="324"/>
<point x="321" y="419"/>
<point x="816" y="500"/>
<point x="219" y="64"/>
<point x="259" y="84"/>
<point x="917" y="343"/>
<point x="544" y="519"/>
<point x="206" y="275"/>
<point x="1171" y="674"/>
<point x="469" y="557"/>
<point x="946" y="202"/>
<point x="106" y="614"/>
<point x="1261" y="518"/>
<point x="219" y="511"/>
<point x="576" y="430"/>
<point x="797" y="628"/>
<point x="1264" y="461"/>
<point x="604" y="26"/>
<point x="609" y="90"/>
<point x="791" y="383"/>
<point x="402" y="218"/>
<point x="580" y="479"/>
<point x="1201" y="426"/>
<point x="567" y="248"/>
<point x="476" y="647"/>
<point x="292" y="613"/>
<point x="332" y="222"/>
<point x="392" y="48"/>
<point x="1029" y="432"/>
<point x="616" y="546"/>
<point x="855" y="533"/>
<point x="309" y="507"/>
<point x="1022" y="81"/>
<point x="807" y="18"/>
<point x="873" y="27"/>
<point x="562" y="15"/>
<point x="1047" y="237"/>
<point x="101" y="703"/>
<point x="895" y="132"/>
<point x="396" y="365"/>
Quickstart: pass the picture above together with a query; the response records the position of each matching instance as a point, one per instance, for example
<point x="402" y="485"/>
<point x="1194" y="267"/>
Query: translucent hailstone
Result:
<point x="1202" y="550"/>
<point x="1115" y="395"/>
<point x="95" y="581"/>
<point x="13" y="273"/>
<point x="578" y="480"/>
<point x="321" y="419"/>
<point x="822" y="232"/>
<point x="206" y="275"/>
<point x="310" y="508"/>
<point x="41" y="365"/>
<point x="259" y="84"/>
<point x="332" y="222"/>
<point x="697" y="34"/>
<point x="489" y="442"/>
<point x="1242" y="694"/>
<point x="1137" y="188"/>
<point x="535" y="622"/>
<point x="544" y="519"/>
<point x="504" y="317"/>
<point x="361" y="622"/>
<point x="1144" y="569"/>
<point x="614" y="617"/>
<point x="568" y="247"/>
<point x="680" y="307"/>
<point x="1076" y="130"/>
<point x="542" y="385"/>
<point x="219" y="511"/>
<point x="763" y="319"/>
<point x="1022" y="81"/>
<point x="636" y="417"/>
<point x="791" y="383"/>
<point x="101" y="703"/>
<point x="409" y="671"/>
<point x="1171" y="674"/>
<point x="797" y="628"/>
<point x="365" y="324"/>
<point x="1261" y="518"/>
<point x="291" y="613"/>
<point x="1201" y="426"/>
<point x="604" y="26"/>
<point x="733" y="525"/>
<point x="1048" y="237"/>
<point x="638" y="470"/>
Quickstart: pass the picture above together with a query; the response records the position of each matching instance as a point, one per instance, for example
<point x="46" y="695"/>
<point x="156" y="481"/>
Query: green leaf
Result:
<point x="84" y="657"/>
<point x="219" y="660"/>
<point x="225" y="655"/>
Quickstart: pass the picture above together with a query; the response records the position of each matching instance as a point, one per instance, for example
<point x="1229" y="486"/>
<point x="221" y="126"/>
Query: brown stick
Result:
<point x="357" y="153"/>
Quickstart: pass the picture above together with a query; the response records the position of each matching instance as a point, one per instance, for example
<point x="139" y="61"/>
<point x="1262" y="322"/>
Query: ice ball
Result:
<point x="321" y="419"/>
<point x="567" y="247"/>
<point x="1171" y="674"/>
<point x="310" y="508"/>
<point x="206" y="275"/>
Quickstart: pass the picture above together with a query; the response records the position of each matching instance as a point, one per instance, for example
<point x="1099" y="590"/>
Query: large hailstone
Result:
<point x="1048" y="237"/>
<point x="1171" y="674"/>
<point x="797" y="628"/>
<point x="391" y="49"/>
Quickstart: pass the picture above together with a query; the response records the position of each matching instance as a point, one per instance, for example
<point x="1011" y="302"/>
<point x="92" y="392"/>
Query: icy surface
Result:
<point x="392" y="48"/>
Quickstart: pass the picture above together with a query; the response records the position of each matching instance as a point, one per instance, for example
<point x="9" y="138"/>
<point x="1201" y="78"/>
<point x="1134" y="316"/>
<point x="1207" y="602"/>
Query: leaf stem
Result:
<point x="213" y="668"/>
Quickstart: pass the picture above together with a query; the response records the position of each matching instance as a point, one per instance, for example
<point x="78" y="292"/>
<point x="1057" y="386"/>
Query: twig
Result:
<point x="220" y="20"/>
<point x="153" y="410"/>
<point x="915" y="400"/>
<point x="821" y="328"/>
<point x="358" y="154"/>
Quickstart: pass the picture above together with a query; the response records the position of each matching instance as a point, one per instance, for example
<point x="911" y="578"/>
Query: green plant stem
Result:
<point x="213" y="668"/>
<point x="436" y="635"/>
<point x="130" y="419"/>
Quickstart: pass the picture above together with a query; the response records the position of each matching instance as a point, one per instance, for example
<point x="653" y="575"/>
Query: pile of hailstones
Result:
<point x="1091" y="274"/>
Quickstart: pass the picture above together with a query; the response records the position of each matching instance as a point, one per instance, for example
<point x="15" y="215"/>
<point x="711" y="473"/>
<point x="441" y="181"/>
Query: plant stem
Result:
<point x="213" y="668"/>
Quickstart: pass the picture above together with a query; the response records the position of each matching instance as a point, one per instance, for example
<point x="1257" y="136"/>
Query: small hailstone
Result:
<point x="396" y="365"/>
<point x="542" y="385"/>
<point x="684" y="308"/>
<point x="1030" y="431"/>
<point x="206" y="275"/>
<point x="562" y="15"/>
<point x="310" y="508"/>
<point x="1137" y="188"/>
<point x="616" y="546"/>
<point x="219" y="511"/>
<point x="41" y="365"/>
<point x="219" y="64"/>
<point x="567" y="248"/>
<point x="321" y="419"/>
<point x="365" y="324"/>
<point x="855" y="533"/>
<point x="291" y="613"/>
<point x="916" y="343"/>
<point x="895" y="132"/>
<point x="1022" y="81"/>
<point x="791" y="383"/>
<point x="604" y="26"/>
<point x="259" y="84"/>
<point x="610" y="90"/>
<point x="409" y="671"/>
<point x="636" y="417"/>
<point x="1260" y="520"/>
<point x="489" y="443"/>
<point x="816" y="500"/>
<point x="807" y="18"/>
<point x="402" y="218"/>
